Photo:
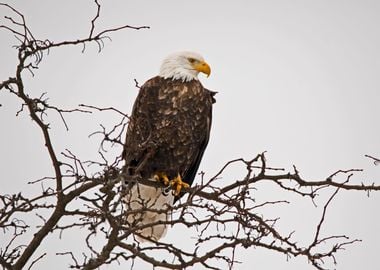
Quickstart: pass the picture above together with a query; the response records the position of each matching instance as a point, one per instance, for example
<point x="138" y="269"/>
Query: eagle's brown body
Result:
<point x="169" y="129"/>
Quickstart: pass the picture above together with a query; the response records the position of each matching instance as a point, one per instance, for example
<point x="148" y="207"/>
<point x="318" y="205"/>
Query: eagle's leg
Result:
<point x="160" y="176"/>
<point x="177" y="184"/>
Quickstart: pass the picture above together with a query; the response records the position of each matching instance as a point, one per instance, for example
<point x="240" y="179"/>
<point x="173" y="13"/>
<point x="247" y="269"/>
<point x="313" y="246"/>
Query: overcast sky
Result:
<point x="299" y="79"/>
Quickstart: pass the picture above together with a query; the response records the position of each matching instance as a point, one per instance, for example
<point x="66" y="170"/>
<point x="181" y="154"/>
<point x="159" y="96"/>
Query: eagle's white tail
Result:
<point x="153" y="200"/>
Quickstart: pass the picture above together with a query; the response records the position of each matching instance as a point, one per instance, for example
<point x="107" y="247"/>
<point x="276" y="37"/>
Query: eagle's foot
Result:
<point x="162" y="177"/>
<point x="177" y="184"/>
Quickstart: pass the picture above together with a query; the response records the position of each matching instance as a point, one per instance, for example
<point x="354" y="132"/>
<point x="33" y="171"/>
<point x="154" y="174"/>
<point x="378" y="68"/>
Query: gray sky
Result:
<point x="299" y="79"/>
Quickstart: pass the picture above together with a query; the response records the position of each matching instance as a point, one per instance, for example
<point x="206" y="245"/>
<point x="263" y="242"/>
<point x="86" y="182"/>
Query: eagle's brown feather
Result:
<point x="169" y="128"/>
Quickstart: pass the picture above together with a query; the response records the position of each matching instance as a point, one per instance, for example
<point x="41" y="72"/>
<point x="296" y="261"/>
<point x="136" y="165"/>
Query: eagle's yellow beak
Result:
<point x="203" y="67"/>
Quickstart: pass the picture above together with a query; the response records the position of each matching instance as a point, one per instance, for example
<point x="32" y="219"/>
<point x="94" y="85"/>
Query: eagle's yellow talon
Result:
<point x="178" y="185"/>
<point x="160" y="176"/>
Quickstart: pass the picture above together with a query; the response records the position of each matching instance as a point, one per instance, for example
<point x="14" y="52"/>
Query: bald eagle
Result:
<point x="167" y="135"/>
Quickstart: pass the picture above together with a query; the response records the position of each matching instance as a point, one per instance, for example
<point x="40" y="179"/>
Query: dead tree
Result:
<point x="224" y="218"/>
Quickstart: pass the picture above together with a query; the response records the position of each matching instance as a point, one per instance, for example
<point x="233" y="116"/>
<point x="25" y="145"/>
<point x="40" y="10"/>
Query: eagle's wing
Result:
<point x="193" y="168"/>
<point x="138" y="143"/>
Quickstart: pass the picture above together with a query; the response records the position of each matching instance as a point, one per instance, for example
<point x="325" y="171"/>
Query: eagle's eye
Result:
<point x="192" y="60"/>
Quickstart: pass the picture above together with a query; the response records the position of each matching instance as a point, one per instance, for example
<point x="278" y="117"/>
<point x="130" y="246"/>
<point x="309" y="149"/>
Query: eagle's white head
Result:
<point x="184" y="66"/>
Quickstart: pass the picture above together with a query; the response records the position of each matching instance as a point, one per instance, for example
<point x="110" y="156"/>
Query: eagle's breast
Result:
<point x="172" y="117"/>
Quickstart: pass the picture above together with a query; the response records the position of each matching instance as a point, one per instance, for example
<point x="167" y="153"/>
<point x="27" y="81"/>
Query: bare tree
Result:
<point x="225" y="217"/>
